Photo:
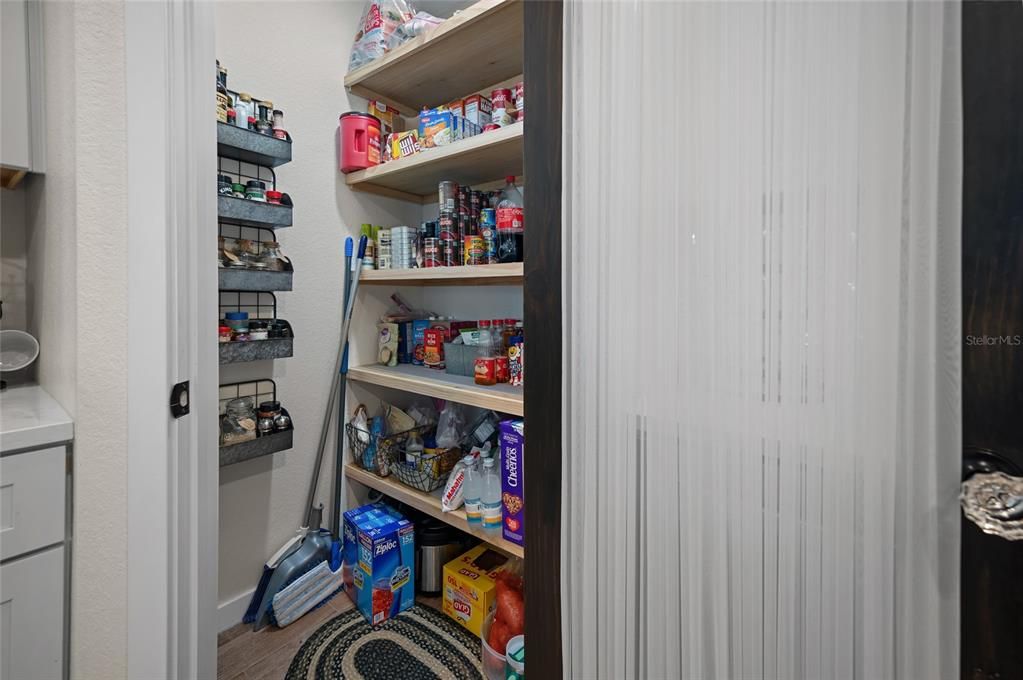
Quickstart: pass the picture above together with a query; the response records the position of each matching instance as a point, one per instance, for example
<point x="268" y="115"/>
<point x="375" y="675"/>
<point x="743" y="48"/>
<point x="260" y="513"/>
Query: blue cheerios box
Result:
<point x="378" y="552"/>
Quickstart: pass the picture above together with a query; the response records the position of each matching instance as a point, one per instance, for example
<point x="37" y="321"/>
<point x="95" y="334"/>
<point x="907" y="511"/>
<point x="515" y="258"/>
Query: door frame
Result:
<point x="542" y="298"/>
<point x="173" y="466"/>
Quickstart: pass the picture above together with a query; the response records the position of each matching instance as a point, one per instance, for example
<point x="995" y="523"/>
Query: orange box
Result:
<point x="457" y="107"/>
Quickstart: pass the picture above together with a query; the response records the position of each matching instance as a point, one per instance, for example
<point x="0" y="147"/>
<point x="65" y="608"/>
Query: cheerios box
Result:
<point x="513" y="513"/>
<point x="379" y="549"/>
<point x="470" y="586"/>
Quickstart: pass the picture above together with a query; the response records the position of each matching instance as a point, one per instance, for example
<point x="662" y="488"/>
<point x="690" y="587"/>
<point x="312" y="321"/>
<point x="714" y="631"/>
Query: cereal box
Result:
<point x="378" y="552"/>
<point x="470" y="586"/>
<point x="512" y="439"/>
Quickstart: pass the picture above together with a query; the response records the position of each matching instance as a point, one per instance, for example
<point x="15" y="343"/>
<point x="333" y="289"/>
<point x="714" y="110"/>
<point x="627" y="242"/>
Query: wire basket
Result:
<point x="426" y="473"/>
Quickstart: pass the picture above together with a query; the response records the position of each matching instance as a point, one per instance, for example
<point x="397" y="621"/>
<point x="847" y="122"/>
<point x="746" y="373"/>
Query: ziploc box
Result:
<point x="383" y="573"/>
<point x="470" y="586"/>
<point x="513" y="513"/>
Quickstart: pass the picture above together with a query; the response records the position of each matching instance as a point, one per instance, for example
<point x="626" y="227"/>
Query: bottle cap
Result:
<point x="484" y="323"/>
<point x="510" y="179"/>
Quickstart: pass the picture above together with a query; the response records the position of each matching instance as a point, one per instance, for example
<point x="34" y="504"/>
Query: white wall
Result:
<point x="298" y="61"/>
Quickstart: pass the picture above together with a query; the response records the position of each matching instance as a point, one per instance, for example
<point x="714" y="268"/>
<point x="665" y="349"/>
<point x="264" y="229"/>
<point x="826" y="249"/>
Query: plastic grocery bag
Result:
<point x="380" y="22"/>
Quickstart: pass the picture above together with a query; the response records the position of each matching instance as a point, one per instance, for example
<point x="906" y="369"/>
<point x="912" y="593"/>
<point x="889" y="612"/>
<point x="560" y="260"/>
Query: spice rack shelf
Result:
<point x="251" y="147"/>
<point x="440" y="385"/>
<point x="479" y="46"/>
<point x="430" y="504"/>
<point x="254" y="280"/>
<point x="483" y="158"/>
<point x="249" y="213"/>
<point x="482" y="275"/>
<point x="256" y="350"/>
<point x="256" y="448"/>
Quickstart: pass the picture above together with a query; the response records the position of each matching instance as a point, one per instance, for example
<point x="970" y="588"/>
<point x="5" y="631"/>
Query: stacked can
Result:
<point x="403" y="250"/>
<point x="383" y="249"/>
<point x="449" y="242"/>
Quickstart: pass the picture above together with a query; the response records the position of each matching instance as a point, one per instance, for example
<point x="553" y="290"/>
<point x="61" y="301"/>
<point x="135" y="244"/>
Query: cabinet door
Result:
<point x="32" y="500"/>
<point x="14" y="128"/>
<point x="32" y="616"/>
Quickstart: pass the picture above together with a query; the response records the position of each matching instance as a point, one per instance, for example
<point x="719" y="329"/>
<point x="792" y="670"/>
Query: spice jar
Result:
<point x="239" y="422"/>
<point x="282" y="422"/>
<point x="271" y="255"/>
<point x="254" y="192"/>
<point x="258" y="330"/>
<point x="223" y="185"/>
<point x="278" y="125"/>
<point x="232" y="116"/>
<point x="269" y="409"/>
<point x="252" y="123"/>
<point x="244" y="109"/>
<point x="265" y="426"/>
<point x="225" y="333"/>
<point x="238" y="190"/>
<point x="273" y="197"/>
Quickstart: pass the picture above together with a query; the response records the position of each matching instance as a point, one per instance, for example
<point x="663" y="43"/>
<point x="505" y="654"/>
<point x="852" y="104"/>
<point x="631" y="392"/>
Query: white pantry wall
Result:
<point x="295" y="54"/>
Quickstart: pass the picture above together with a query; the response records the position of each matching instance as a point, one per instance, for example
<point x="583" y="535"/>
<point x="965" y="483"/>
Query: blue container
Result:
<point x="378" y="552"/>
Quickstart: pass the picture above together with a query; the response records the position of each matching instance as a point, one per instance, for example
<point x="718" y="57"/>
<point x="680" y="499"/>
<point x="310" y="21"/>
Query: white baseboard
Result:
<point x="230" y="613"/>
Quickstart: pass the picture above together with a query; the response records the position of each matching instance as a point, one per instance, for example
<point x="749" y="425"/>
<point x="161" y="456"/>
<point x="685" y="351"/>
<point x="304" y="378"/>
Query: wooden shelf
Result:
<point x="488" y="274"/>
<point x="478" y="47"/>
<point x="441" y="385"/>
<point x="430" y="504"/>
<point x="485" y="157"/>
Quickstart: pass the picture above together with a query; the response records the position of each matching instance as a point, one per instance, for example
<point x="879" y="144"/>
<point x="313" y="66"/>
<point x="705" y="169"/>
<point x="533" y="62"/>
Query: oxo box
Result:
<point x="512" y="439"/>
<point x="379" y="552"/>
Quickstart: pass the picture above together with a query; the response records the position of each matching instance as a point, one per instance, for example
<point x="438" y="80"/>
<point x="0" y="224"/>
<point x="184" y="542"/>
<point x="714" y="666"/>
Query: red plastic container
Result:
<point x="359" y="141"/>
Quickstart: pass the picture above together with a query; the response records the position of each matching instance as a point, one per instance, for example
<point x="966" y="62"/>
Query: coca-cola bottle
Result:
<point x="510" y="221"/>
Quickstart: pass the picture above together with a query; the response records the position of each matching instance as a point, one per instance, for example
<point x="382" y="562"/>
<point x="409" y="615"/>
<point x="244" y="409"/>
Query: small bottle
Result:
<point x="278" y="125"/>
<point x="472" y="490"/>
<point x="369" y="261"/>
<point x="484" y="368"/>
<point x="252" y="123"/>
<point x="254" y="191"/>
<point x="490" y="495"/>
<point x="243" y="109"/>
<point x="413" y="449"/>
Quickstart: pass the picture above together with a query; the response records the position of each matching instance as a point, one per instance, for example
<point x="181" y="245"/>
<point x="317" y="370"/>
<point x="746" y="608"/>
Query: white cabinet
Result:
<point x="35" y="434"/>
<point x="21" y="119"/>
<point x="32" y="616"/>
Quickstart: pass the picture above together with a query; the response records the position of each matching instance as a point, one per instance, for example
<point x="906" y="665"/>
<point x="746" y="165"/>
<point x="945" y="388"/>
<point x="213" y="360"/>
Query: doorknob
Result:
<point x="992" y="493"/>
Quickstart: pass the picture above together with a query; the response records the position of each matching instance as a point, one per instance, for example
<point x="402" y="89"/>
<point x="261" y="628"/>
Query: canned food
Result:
<point x="502" y="98"/>
<point x="465" y="226"/>
<point x="449" y="253"/>
<point x="447" y="197"/>
<point x="489" y="246"/>
<point x="474" y="251"/>
<point x="488" y="218"/>
<point x="431" y="252"/>
<point x="502" y="368"/>
<point x="446" y="227"/>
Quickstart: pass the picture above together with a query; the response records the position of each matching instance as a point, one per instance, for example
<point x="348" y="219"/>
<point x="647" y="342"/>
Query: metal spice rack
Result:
<point x="260" y="306"/>
<point x="259" y="390"/>
<point x="247" y="212"/>
<point x="240" y="278"/>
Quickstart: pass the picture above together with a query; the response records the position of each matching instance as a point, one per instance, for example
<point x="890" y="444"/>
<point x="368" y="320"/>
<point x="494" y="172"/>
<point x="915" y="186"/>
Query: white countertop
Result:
<point x="30" y="418"/>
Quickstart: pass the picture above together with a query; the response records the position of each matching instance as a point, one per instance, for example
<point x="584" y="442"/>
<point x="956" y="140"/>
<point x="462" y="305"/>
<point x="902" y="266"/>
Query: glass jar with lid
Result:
<point x="232" y="254"/>
<point x="243" y="109"/>
<point x="278" y="125"/>
<point x="239" y="421"/>
<point x="249" y="255"/>
<point x="254" y="191"/>
<point x="270" y="253"/>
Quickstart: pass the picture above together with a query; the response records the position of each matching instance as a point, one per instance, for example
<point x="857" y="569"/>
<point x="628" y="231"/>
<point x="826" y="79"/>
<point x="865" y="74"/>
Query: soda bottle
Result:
<point x="510" y="223"/>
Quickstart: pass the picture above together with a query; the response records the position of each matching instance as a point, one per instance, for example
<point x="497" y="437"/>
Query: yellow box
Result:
<point x="469" y="586"/>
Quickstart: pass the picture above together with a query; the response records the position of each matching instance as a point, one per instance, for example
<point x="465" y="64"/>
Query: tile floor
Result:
<point x="265" y="655"/>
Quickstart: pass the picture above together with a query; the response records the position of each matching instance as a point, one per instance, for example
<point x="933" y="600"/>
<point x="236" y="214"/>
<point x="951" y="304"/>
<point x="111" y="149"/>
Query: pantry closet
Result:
<point x="486" y="45"/>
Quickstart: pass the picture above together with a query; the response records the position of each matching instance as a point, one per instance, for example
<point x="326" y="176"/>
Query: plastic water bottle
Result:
<point x="472" y="489"/>
<point x="491" y="495"/>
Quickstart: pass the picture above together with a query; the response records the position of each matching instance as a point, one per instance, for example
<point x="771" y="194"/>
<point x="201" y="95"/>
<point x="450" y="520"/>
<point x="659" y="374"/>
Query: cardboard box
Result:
<point x="470" y="588"/>
<point x="379" y="550"/>
<point x="457" y="107"/>
<point x="406" y="342"/>
<point x="436" y="128"/>
<point x="477" y="110"/>
<point x="433" y="347"/>
<point x="418" y="352"/>
<point x="513" y="512"/>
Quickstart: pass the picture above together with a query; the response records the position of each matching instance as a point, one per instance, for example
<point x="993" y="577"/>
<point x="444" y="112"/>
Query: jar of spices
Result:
<point x="269" y="409"/>
<point x="258" y="330"/>
<point x="278" y="125"/>
<point x="254" y="192"/>
<point x="238" y="190"/>
<point x="224" y="185"/>
<point x="273" y="197"/>
<point x="232" y="117"/>
<point x="225" y="333"/>
<point x="265" y="426"/>
<point x="232" y="256"/>
<point x="282" y="422"/>
<point x="264" y="124"/>
<point x="252" y="123"/>
<point x="244" y="109"/>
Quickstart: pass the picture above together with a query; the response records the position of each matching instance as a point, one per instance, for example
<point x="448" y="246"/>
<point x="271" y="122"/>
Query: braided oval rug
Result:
<point x="418" y="644"/>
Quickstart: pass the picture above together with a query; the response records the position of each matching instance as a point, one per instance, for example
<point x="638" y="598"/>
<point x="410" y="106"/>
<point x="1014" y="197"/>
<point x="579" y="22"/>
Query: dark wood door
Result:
<point x="992" y="567"/>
